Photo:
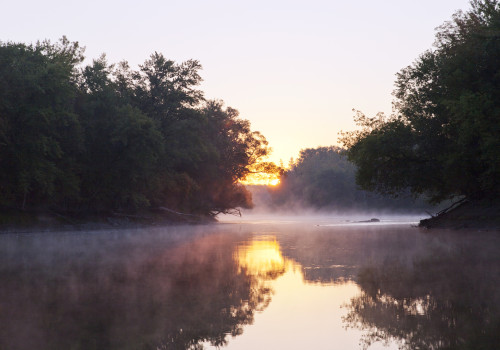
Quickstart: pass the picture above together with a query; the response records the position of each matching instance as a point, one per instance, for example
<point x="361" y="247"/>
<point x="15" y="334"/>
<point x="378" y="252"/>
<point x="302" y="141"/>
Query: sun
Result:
<point x="262" y="179"/>
<point x="274" y="182"/>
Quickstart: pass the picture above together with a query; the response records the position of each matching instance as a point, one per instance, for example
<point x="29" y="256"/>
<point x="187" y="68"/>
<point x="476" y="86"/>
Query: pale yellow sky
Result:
<point x="295" y="69"/>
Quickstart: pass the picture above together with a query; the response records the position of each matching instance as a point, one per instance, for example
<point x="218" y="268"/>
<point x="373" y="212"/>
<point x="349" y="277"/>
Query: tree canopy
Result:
<point x="105" y="137"/>
<point x="443" y="138"/>
<point x="323" y="178"/>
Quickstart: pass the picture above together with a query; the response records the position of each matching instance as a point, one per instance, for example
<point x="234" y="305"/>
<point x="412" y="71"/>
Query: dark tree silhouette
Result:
<point x="443" y="139"/>
<point x="105" y="138"/>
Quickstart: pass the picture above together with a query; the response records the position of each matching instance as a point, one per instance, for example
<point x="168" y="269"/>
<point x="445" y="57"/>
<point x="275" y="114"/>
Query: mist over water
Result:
<point x="253" y="282"/>
<point x="307" y="215"/>
<point x="297" y="210"/>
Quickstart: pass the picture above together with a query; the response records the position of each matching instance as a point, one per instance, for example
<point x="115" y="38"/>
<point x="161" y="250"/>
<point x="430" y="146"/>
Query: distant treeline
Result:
<point x="106" y="138"/>
<point x="323" y="178"/>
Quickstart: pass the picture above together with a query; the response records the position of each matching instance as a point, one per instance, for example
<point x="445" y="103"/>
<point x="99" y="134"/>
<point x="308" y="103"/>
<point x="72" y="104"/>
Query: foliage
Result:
<point x="39" y="132"/>
<point x="107" y="138"/>
<point x="442" y="139"/>
<point x="323" y="178"/>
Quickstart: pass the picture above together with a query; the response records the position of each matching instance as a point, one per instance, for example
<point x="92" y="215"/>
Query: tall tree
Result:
<point x="233" y="151"/>
<point x="165" y="88"/>
<point x="444" y="138"/>
<point x="122" y="145"/>
<point x="106" y="138"/>
<point x="323" y="178"/>
<point x="40" y="134"/>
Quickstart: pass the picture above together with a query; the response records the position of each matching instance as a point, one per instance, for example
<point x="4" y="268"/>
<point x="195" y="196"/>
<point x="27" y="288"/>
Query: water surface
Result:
<point x="280" y="284"/>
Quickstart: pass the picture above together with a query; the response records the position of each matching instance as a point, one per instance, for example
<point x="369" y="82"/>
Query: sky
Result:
<point x="294" y="69"/>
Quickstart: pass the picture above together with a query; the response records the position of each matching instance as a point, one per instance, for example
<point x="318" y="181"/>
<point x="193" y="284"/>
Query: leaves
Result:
<point x="443" y="139"/>
<point x="108" y="138"/>
<point x="323" y="178"/>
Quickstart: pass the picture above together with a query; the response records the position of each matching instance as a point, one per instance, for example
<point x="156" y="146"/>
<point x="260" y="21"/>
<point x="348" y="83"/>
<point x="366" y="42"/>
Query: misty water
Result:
<point x="252" y="283"/>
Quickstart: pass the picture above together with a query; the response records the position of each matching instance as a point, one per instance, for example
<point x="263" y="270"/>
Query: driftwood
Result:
<point x="176" y="212"/>
<point x="234" y="211"/>
<point x="451" y="207"/>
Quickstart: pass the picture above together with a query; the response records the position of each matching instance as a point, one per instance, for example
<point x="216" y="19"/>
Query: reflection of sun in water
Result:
<point x="302" y="314"/>
<point x="260" y="257"/>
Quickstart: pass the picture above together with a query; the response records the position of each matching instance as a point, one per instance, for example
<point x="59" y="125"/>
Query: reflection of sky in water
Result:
<point x="302" y="314"/>
<point x="260" y="256"/>
<point x="322" y="219"/>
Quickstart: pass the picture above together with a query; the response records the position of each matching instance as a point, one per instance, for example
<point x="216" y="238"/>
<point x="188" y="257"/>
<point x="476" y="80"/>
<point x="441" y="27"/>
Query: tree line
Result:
<point x="105" y="137"/>
<point x="323" y="178"/>
<point x="440" y="144"/>
<point x="443" y="139"/>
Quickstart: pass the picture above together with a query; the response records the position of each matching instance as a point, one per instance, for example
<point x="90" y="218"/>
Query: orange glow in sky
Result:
<point x="262" y="179"/>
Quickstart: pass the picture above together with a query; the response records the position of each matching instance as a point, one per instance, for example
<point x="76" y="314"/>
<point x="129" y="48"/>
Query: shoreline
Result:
<point x="470" y="215"/>
<point x="478" y="215"/>
<point x="12" y="221"/>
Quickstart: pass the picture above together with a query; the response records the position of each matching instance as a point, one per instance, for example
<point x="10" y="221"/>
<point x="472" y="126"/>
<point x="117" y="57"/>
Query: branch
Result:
<point x="454" y="205"/>
<point x="176" y="212"/>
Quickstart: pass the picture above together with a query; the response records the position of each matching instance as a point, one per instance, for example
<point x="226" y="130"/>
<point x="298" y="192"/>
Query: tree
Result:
<point x="40" y="135"/>
<point x="105" y="138"/>
<point x="232" y="151"/>
<point x="123" y="147"/>
<point x="323" y="178"/>
<point x="164" y="89"/>
<point x="320" y="177"/>
<point x="443" y="138"/>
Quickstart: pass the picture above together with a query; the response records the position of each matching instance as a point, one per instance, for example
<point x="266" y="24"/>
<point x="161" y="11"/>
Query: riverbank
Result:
<point x="16" y="221"/>
<point x="480" y="215"/>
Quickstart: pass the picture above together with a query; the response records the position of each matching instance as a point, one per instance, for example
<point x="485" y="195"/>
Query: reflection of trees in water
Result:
<point x="334" y="254"/>
<point x="131" y="295"/>
<point x="446" y="299"/>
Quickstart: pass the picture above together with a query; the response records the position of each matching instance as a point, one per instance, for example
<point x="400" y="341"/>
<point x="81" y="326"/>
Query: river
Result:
<point x="259" y="283"/>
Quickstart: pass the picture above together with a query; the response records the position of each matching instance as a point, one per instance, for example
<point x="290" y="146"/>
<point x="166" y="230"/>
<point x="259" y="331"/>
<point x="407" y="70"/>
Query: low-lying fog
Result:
<point x="266" y="210"/>
<point x="252" y="216"/>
